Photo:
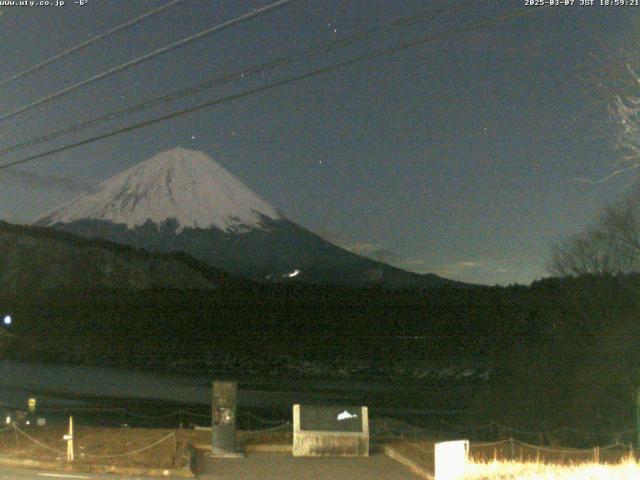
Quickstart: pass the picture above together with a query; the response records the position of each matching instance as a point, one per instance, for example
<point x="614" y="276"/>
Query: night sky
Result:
<point x="459" y="156"/>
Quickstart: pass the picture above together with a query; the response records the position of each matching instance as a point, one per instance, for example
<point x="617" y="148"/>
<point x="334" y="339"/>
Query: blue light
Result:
<point x="7" y="320"/>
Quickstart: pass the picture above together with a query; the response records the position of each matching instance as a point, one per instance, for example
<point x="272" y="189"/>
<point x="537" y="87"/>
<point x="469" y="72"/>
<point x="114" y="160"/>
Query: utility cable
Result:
<point x="88" y="42"/>
<point x="286" y="81"/>
<point x="237" y="75"/>
<point x="136" y="61"/>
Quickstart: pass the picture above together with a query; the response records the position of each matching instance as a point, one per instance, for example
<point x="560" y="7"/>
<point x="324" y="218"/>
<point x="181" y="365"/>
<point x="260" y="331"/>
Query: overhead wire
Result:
<point x="86" y="43"/>
<point x="241" y="74"/>
<point x="144" y="58"/>
<point x="279" y="83"/>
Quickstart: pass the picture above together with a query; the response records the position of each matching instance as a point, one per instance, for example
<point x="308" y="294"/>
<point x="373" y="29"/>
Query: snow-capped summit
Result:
<point x="181" y="184"/>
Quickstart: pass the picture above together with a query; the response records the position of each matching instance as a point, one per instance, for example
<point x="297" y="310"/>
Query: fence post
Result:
<point x="175" y="449"/>
<point x="638" y="417"/>
<point x="520" y="453"/>
<point x="69" y="439"/>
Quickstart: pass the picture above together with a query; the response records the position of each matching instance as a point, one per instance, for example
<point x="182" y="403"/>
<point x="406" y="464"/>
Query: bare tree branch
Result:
<point x="612" y="246"/>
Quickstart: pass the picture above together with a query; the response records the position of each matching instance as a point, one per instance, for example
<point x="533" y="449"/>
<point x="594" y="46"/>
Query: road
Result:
<point x="264" y="466"/>
<point x="257" y="466"/>
<point x="23" y="474"/>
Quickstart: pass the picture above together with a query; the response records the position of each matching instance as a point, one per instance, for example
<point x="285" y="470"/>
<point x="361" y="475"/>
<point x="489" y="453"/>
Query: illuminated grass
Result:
<point x="497" y="470"/>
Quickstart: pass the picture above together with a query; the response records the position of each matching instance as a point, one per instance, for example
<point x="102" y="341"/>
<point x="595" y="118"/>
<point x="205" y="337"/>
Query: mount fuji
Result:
<point x="182" y="200"/>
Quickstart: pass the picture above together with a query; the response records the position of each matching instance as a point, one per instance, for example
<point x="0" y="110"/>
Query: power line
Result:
<point x="313" y="73"/>
<point x="86" y="43"/>
<point x="239" y="74"/>
<point x="136" y="61"/>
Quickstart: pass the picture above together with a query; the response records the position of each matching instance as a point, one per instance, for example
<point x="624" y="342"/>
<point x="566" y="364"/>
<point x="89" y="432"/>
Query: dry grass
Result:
<point x="497" y="470"/>
<point x="491" y="462"/>
<point x="104" y="446"/>
<point x="114" y="446"/>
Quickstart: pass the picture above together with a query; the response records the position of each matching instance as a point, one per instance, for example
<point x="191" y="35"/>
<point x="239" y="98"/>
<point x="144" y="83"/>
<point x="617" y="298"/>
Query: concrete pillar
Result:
<point x="223" y="419"/>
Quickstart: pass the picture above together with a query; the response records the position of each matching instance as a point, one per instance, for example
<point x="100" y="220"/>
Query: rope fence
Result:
<point x="6" y="428"/>
<point x="516" y="450"/>
<point x="134" y="452"/>
<point x="286" y="425"/>
<point x="170" y="436"/>
<point x="491" y="440"/>
<point x="490" y="431"/>
<point x="422" y="449"/>
<point x="496" y="431"/>
<point x="37" y="442"/>
<point x="180" y="414"/>
<point x="261" y="419"/>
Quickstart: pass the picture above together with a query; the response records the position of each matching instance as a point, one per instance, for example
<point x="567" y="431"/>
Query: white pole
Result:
<point x="70" y="441"/>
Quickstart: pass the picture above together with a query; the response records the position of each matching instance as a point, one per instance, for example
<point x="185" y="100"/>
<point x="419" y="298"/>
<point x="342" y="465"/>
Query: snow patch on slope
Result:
<point x="185" y="185"/>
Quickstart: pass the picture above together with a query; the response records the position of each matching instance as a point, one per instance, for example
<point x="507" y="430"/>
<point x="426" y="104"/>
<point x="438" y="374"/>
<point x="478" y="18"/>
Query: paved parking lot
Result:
<point x="267" y="466"/>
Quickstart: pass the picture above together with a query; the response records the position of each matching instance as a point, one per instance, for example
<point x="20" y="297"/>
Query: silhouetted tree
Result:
<point x="612" y="246"/>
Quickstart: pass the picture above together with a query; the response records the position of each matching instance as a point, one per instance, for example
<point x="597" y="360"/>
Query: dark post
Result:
<point x="638" y="418"/>
<point x="223" y="419"/>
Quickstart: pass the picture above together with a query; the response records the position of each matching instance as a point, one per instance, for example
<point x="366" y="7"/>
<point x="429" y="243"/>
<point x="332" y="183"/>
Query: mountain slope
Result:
<point x="182" y="200"/>
<point x="38" y="260"/>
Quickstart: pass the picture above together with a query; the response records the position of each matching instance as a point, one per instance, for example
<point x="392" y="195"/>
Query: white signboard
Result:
<point x="451" y="459"/>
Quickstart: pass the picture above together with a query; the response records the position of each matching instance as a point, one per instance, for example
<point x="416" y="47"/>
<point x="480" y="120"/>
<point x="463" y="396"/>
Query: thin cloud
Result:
<point x="375" y="251"/>
<point x="470" y="264"/>
<point x="413" y="263"/>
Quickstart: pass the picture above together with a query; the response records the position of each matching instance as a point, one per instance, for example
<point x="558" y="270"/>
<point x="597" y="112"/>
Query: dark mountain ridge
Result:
<point x="280" y="251"/>
<point x="34" y="259"/>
